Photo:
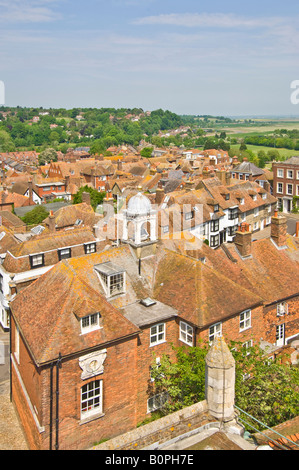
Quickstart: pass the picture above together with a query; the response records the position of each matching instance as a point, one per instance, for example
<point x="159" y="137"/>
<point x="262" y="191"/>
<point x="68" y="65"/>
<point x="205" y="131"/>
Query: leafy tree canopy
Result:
<point x="36" y="216"/>
<point x="96" y="197"/>
<point x="267" y="390"/>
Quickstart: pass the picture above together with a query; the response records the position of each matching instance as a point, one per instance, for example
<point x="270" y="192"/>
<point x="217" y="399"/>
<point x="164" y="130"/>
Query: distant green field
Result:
<point x="256" y="148"/>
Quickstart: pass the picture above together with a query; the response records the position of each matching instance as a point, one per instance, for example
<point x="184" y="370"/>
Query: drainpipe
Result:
<point x="56" y="364"/>
<point x="10" y="368"/>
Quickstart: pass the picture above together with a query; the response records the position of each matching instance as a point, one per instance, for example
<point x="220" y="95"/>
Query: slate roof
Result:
<point x="248" y="167"/>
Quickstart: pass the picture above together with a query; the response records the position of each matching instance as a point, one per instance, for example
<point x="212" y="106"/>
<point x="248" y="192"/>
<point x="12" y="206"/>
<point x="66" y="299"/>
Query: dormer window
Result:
<point x="89" y="248"/>
<point x="36" y="261"/>
<point x="216" y="208"/>
<point x="112" y="278"/>
<point x="90" y="323"/>
<point x="64" y="253"/>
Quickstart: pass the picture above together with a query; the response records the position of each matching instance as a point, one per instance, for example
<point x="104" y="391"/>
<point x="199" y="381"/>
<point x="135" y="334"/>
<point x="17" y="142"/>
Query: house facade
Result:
<point x="286" y="183"/>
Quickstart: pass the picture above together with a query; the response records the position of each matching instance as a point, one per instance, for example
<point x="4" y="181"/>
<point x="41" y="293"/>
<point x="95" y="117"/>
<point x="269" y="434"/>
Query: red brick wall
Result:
<point x="146" y="356"/>
<point x="231" y="329"/>
<point x="119" y="399"/>
<point x="31" y="380"/>
<point x="291" y="320"/>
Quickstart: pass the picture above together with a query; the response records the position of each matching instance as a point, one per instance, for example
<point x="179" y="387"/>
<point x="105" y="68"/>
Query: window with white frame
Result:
<point x="245" y="320"/>
<point x="157" y="334"/>
<point x="256" y="211"/>
<point x="248" y="344"/>
<point x="279" y="173"/>
<point x="155" y="368"/>
<point x="282" y="309"/>
<point x="242" y="201"/>
<point x="297" y="175"/>
<point x="188" y="215"/>
<point x="289" y="189"/>
<point x="297" y="190"/>
<point x="186" y="333"/>
<point x="269" y="208"/>
<point x="255" y="226"/>
<point x="264" y="196"/>
<point x="64" y="253"/>
<point x="37" y="261"/>
<point x="156" y="402"/>
<point x="166" y="229"/>
<point x="89" y="248"/>
<point x="90" y="323"/>
<point x="290" y="174"/>
<point x="279" y="188"/>
<point x="92" y="399"/>
<point x="215" y="331"/>
<point x="112" y="278"/>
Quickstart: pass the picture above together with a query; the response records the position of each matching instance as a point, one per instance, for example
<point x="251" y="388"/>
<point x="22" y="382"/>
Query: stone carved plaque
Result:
<point x="92" y="364"/>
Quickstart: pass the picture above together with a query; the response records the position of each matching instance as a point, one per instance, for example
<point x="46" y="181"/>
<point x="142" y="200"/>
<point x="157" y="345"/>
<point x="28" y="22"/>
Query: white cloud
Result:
<point x="27" y="11"/>
<point x="207" y="20"/>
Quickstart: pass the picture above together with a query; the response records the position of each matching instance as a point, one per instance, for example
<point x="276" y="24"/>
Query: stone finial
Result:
<point x="220" y="381"/>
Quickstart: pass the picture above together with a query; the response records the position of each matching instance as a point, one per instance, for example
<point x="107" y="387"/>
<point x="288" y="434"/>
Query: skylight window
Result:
<point x="148" y="302"/>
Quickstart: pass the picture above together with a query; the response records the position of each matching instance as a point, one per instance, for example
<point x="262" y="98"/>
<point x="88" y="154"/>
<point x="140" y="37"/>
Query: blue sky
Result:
<point x="191" y="57"/>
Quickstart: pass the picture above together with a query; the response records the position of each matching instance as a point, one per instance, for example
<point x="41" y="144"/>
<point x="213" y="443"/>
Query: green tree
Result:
<point x="268" y="390"/>
<point x="96" y="197"/>
<point x="36" y="216"/>
<point x="46" y="156"/>
<point x="146" y="152"/>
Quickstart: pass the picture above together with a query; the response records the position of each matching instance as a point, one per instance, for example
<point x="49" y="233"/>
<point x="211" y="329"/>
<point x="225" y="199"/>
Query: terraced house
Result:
<point x="216" y="210"/>
<point x="89" y="330"/>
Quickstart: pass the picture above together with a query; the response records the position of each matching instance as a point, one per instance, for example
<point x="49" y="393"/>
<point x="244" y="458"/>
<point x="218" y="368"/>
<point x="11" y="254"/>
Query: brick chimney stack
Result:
<point x="159" y="195"/>
<point x="86" y="198"/>
<point x="279" y="229"/>
<point x="243" y="240"/>
<point x="52" y="225"/>
<point x="30" y="187"/>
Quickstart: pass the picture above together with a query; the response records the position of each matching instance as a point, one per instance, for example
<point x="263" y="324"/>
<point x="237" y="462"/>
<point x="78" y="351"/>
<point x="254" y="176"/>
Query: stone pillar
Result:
<point x="220" y="381"/>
